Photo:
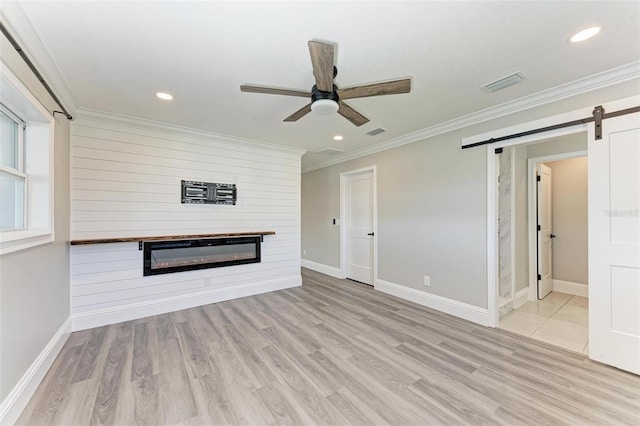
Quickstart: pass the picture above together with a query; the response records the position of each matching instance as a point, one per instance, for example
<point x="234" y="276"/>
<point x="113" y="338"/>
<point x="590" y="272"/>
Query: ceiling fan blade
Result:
<point x="299" y="113"/>
<point x="351" y="114"/>
<point x="322" y="62"/>
<point x="274" y="91"/>
<point x="376" y="89"/>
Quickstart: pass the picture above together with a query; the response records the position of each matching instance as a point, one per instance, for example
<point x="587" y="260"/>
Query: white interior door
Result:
<point x="545" y="235"/>
<point x="361" y="232"/>
<point x="614" y="243"/>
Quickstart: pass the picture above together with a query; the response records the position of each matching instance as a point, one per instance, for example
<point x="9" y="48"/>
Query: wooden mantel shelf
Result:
<point x="167" y="237"/>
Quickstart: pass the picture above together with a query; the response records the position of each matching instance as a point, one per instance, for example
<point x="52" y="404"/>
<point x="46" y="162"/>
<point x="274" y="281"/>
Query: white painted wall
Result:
<point x="34" y="283"/>
<point x="125" y="182"/>
<point x="431" y="199"/>
<point x="570" y="220"/>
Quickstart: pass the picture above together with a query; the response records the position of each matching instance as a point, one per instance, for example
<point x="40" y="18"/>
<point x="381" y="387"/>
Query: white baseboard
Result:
<point x="118" y="314"/>
<point x="521" y="298"/>
<point x="14" y="403"/>
<point x="577" y="289"/>
<point x="442" y="304"/>
<point x="332" y="271"/>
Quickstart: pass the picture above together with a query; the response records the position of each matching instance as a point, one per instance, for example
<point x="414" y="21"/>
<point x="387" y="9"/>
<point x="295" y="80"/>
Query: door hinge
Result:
<point x="539" y="228"/>
<point x="499" y="150"/>
<point x="538" y="178"/>
<point x="539" y="277"/>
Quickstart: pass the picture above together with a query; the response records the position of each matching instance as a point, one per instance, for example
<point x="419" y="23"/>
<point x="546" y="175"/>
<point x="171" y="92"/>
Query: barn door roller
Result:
<point x="598" y="115"/>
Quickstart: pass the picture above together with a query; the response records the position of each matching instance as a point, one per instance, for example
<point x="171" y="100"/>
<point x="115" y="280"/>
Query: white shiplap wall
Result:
<point x="125" y="182"/>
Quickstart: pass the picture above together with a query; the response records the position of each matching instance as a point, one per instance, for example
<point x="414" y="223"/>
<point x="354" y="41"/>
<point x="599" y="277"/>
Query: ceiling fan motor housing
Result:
<point x="316" y="94"/>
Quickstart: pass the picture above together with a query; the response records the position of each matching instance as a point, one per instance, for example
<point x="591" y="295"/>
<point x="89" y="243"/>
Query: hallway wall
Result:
<point x="570" y="220"/>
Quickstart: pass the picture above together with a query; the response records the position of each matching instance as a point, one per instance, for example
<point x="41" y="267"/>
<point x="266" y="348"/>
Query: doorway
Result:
<point x="558" y="224"/>
<point x="542" y="241"/>
<point x="358" y="260"/>
<point x="613" y="221"/>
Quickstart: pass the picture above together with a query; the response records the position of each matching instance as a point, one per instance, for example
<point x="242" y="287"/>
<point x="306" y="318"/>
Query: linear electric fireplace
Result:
<point x="164" y="257"/>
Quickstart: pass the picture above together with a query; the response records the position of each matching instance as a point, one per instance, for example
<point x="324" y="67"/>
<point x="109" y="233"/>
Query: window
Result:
<point x="12" y="176"/>
<point x="26" y="167"/>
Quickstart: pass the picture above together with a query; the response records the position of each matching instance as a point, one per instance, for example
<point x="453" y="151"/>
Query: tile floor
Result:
<point x="559" y="319"/>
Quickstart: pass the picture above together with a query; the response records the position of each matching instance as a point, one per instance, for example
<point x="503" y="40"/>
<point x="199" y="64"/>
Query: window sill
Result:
<point x="20" y="240"/>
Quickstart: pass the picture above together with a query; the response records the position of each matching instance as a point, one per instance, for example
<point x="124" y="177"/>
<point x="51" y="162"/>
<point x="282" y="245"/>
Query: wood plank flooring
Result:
<point x="329" y="352"/>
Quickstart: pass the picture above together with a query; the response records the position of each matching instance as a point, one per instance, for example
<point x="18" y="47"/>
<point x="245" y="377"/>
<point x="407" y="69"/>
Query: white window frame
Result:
<point x="36" y="157"/>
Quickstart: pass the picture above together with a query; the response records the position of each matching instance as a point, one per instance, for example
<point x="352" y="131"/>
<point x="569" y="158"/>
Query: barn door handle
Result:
<point x="370" y="233"/>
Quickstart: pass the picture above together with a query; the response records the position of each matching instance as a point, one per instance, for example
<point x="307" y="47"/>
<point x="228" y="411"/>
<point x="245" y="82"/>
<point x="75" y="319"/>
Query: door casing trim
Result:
<point x="492" y="208"/>
<point x="532" y="205"/>
<point x="344" y="219"/>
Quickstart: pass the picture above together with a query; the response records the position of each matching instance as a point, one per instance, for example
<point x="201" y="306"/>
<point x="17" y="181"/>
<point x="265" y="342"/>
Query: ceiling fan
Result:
<point x="326" y="97"/>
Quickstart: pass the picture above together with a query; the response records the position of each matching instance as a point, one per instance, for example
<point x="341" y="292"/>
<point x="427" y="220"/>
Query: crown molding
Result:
<point x="22" y="30"/>
<point x="584" y="85"/>
<point x="87" y="114"/>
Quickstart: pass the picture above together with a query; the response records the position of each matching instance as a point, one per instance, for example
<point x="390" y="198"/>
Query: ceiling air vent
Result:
<point x="375" y="131"/>
<point x="330" y="151"/>
<point x="503" y="82"/>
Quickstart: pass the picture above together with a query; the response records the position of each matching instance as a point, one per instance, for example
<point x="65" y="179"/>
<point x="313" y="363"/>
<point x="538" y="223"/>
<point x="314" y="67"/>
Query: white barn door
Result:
<point x="614" y="243"/>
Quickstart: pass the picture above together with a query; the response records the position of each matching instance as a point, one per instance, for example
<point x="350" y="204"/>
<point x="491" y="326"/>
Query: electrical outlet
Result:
<point x="427" y="280"/>
<point x="304" y="252"/>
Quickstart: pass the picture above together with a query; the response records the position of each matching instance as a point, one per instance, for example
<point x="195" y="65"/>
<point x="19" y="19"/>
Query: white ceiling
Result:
<point x="114" y="57"/>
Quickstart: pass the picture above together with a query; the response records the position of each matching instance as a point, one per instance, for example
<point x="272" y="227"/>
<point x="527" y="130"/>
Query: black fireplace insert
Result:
<point x="164" y="257"/>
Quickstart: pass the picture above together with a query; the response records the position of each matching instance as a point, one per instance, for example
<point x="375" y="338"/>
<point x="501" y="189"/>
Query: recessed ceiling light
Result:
<point x="165" y="96"/>
<point x="338" y="138"/>
<point x="584" y="34"/>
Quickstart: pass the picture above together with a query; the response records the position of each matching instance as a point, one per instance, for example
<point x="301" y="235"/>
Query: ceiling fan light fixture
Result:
<point x="324" y="107"/>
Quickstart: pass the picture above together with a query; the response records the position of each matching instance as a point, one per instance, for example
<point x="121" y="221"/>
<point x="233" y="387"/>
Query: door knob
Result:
<point x="370" y="233"/>
<point x="552" y="236"/>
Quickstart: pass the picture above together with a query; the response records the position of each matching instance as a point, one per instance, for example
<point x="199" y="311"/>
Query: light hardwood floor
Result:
<point x="329" y="352"/>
